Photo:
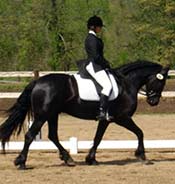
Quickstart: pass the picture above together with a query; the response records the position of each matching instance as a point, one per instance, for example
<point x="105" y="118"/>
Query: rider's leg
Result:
<point x="102" y="78"/>
<point x="103" y="107"/>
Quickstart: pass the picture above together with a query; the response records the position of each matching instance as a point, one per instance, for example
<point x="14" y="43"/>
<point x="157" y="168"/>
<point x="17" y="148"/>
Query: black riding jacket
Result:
<point x="94" y="48"/>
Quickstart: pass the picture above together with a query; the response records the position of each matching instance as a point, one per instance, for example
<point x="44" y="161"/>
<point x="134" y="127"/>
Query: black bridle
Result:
<point x="149" y="94"/>
<point x="152" y="93"/>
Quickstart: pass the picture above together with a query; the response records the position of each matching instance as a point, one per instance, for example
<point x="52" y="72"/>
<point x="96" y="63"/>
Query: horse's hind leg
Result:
<point x="53" y="136"/>
<point x="29" y="137"/>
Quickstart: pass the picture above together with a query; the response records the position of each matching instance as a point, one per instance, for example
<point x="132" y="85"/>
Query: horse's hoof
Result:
<point x="91" y="161"/>
<point x="22" y="167"/>
<point x="143" y="160"/>
<point x="94" y="162"/>
<point x="17" y="161"/>
<point x="70" y="162"/>
<point x="140" y="156"/>
<point x="147" y="162"/>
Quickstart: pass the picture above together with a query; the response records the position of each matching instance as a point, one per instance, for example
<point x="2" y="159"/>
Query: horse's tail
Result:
<point x="17" y="114"/>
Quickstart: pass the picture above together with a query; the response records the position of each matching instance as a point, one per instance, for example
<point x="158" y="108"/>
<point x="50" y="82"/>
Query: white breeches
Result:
<point x="102" y="78"/>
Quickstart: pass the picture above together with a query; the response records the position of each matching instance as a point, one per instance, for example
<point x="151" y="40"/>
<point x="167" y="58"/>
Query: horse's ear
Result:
<point x="165" y="70"/>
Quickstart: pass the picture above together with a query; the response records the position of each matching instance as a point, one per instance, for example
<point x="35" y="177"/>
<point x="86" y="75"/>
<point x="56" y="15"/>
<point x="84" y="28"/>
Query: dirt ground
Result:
<point x="116" y="166"/>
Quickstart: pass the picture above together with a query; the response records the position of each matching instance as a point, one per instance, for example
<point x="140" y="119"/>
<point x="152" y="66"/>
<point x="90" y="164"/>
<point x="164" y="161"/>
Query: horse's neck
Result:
<point x="139" y="77"/>
<point x="137" y="73"/>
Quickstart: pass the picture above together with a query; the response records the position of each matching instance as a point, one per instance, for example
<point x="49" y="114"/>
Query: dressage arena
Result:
<point x="116" y="166"/>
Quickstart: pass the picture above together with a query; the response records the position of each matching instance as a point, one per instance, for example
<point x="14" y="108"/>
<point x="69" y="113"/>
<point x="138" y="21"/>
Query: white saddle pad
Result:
<point x="87" y="89"/>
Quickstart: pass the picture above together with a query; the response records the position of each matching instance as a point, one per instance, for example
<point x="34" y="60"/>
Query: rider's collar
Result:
<point x="92" y="32"/>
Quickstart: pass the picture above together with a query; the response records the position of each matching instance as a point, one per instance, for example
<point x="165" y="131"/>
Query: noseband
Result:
<point x="152" y="93"/>
<point x="149" y="94"/>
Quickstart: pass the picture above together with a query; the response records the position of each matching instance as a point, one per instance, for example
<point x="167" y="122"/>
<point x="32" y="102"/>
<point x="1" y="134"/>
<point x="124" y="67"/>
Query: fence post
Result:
<point x="73" y="141"/>
<point x="36" y="74"/>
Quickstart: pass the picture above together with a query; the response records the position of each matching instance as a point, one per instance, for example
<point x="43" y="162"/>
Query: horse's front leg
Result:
<point x="90" y="158"/>
<point x="129" y="124"/>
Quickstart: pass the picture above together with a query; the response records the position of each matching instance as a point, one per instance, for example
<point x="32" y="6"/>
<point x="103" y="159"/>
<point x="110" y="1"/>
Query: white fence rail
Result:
<point x="74" y="145"/>
<point x="171" y="73"/>
<point x="42" y="73"/>
<point x="31" y="73"/>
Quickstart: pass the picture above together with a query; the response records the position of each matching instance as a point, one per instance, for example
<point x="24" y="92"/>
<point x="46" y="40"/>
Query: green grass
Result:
<point x="16" y="79"/>
<point x="13" y="84"/>
<point x="12" y="87"/>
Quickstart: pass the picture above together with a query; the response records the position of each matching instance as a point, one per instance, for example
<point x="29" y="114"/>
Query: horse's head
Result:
<point x="152" y="75"/>
<point x="155" y="85"/>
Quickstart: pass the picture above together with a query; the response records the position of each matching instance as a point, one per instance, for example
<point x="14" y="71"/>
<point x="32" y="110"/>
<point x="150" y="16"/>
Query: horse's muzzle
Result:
<point x="153" y="101"/>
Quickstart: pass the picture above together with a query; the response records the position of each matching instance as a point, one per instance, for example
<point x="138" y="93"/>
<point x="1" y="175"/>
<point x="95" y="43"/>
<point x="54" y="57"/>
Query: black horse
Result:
<point x="52" y="94"/>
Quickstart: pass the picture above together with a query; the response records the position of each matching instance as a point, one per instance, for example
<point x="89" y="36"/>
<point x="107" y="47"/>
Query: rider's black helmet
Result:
<point x="94" y="21"/>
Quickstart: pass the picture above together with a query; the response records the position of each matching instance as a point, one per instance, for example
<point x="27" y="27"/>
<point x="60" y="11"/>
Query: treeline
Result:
<point x="49" y="34"/>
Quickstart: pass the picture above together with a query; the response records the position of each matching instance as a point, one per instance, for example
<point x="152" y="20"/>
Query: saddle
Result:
<point x="90" y="90"/>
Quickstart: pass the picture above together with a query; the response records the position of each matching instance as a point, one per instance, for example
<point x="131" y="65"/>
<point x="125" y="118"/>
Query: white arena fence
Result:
<point x="73" y="144"/>
<point x="32" y="73"/>
<point x="42" y="73"/>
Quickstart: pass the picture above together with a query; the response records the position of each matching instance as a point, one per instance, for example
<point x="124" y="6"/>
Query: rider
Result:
<point x="97" y="65"/>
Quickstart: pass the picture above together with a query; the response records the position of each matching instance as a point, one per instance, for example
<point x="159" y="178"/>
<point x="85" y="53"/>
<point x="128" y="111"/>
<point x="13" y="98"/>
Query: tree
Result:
<point x="49" y="35"/>
<point x="22" y="41"/>
<point x="155" y="30"/>
<point x="69" y="28"/>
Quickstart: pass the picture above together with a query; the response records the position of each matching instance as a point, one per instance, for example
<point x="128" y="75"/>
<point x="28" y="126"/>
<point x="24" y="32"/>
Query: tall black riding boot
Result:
<point x="103" y="107"/>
